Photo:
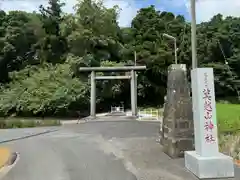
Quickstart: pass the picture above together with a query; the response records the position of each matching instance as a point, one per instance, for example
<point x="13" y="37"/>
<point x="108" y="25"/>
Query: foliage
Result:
<point x="49" y="91"/>
<point x="54" y="44"/>
<point x="17" y="42"/>
<point x="40" y="54"/>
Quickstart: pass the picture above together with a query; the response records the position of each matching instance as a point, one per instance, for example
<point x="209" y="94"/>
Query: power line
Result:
<point x="220" y="46"/>
<point x="226" y="62"/>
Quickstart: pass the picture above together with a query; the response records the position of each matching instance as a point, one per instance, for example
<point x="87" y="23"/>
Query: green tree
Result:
<point x="53" y="46"/>
<point x="95" y="32"/>
<point x="17" y="42"/>
<point x="41" y="54"/>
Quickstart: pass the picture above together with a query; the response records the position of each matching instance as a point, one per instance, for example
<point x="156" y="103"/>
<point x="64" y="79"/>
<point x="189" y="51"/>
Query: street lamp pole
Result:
<point x="175" y="50"/>
<point x="135" y="58"/>
<point x="175" y="44"/>
<point x="194" y="38"/>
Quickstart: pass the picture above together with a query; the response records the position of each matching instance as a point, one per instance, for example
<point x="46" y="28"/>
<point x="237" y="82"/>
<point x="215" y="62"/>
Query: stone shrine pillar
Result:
<point x="177" y="129"/>
<point x="206" y="161"/>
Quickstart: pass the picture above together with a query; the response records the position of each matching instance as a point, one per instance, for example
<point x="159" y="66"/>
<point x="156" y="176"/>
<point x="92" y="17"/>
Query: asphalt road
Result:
<point x="64" y="155"/>
<point x="95" y="151"/>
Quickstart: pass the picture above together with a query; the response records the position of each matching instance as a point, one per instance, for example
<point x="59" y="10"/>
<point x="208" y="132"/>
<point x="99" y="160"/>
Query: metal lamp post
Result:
<point x="175" y="44"/>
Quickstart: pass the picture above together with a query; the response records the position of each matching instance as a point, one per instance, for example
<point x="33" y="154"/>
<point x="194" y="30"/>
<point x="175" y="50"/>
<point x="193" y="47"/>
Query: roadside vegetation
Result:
<point x="228" y="118"/>
<point x="23" y="123"/>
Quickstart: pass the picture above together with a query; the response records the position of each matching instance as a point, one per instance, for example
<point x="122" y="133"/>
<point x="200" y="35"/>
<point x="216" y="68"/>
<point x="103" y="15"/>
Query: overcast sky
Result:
<point x="205" y="8"/>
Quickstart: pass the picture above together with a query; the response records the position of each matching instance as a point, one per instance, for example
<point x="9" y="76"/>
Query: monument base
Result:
<point x="220" y="166"/>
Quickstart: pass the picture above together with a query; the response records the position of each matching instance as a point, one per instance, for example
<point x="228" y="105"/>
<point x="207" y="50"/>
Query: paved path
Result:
<point x="116" y="150"/>
<point x="65" y="155"/>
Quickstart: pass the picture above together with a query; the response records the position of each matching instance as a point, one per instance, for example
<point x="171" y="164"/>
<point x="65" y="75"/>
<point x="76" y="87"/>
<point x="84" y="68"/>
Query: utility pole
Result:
<point x="175" y="50"/>
<point x="135" y="77"/>
<point x="194" y="36"/>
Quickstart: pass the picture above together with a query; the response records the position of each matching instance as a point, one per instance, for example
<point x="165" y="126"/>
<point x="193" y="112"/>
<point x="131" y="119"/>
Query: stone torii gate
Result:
<point x="132" y="77"/>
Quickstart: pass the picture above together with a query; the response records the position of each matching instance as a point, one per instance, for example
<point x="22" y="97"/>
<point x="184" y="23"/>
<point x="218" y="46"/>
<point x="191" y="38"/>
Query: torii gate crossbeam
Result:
<point x="133" y="78"/>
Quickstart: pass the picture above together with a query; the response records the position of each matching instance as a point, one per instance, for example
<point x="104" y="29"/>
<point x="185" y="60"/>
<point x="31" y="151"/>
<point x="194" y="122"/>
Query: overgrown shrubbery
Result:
<point x="18" y="123"/>
<point x="43" y="91"/>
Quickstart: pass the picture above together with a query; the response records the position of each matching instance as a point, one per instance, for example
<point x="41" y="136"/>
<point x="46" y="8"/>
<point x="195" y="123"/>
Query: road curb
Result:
<point x="89" y="120"/>
<point x="11" y="162"/>
<point x="99" y="120"/>
<point x="146" y="120"/>
<point x="27" y="136"/>
<point x="67" y="122"/>
<point x="93" y="121"/>
<point x="5" y="154"/>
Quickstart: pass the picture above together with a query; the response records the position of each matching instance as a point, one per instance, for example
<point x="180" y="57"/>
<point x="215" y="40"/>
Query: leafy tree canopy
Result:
<point x="40" y="54"/>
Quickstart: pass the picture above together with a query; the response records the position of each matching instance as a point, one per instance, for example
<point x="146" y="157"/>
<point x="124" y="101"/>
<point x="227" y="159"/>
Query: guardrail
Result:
<point x="149" y="113"/>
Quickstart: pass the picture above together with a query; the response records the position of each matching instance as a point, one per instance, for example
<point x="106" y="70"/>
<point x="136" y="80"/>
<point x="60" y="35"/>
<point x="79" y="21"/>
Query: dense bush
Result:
<point x="50" y="90"/>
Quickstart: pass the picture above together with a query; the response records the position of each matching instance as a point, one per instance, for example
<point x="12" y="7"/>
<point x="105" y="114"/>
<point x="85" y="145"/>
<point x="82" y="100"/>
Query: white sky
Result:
<point x="205" y="8"/>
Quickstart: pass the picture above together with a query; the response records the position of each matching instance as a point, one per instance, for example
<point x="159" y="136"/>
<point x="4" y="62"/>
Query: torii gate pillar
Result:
<point x="133" y="83"/>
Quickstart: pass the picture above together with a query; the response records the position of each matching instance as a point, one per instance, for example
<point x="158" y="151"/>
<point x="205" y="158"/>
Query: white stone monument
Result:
<point x="206" y="161"/>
